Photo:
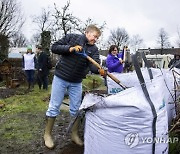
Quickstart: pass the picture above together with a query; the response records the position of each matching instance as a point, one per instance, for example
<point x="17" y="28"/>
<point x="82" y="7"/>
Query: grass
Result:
<point x="92" y="82"/>
<point x="22" y="119"/>
<point x="22" y="116"/>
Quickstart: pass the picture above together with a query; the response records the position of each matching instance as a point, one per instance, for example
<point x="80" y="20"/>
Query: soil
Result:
<point x="8" y="92"/>
<point x="63" y="143"/>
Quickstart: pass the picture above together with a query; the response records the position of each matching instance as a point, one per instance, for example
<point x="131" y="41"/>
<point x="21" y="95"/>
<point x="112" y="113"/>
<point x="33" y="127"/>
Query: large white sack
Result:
<point x="131" y="80"/>
<point x="118" y="117"/>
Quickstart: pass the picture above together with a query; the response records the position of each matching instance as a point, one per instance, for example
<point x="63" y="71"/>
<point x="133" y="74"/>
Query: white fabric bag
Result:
<point x="122" y="123"/>
<point x="130" y="80"/>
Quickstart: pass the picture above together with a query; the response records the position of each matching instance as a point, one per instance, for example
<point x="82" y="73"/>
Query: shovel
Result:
<point x="100" y="67"/>
<point x="82" y="110"/>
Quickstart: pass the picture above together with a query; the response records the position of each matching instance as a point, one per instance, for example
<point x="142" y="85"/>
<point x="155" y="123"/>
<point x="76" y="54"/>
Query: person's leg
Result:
<point x="75" y="95"/>
<point x="28" y="78"/>
<point x="30" y="74"/>
<point x="47" y="133"/>
<point x="45" y="82"/>
<point x="32" y="78"/>
<point x="39" y="82"/>
<point x="57" y="95"/>
<point x="59" y="87"/>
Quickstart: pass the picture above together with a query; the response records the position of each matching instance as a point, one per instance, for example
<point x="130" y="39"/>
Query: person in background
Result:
<point x="114" y="61"/>
<point x="43" y="71"/>
<point x="175" y="62"/>
<point x="69" y="73"/>
<point x="29" y="64"/>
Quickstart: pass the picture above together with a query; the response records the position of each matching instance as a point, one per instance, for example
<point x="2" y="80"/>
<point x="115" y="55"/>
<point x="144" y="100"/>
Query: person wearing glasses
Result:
<point x="70" y="70"/>
<point x="114" y="61"/>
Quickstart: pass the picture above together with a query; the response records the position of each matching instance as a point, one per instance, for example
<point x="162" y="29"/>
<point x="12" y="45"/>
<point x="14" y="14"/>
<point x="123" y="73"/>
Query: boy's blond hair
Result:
<point x="93" y="28"/>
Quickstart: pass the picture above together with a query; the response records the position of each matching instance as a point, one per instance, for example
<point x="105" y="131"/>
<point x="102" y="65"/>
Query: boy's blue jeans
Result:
<point x="59" y="87"/>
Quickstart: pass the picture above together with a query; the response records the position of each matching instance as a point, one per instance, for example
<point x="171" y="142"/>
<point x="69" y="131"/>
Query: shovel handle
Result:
<point x="109" y="74"/>
<point x="94" y="62"/>
<point x="116" y="80"/>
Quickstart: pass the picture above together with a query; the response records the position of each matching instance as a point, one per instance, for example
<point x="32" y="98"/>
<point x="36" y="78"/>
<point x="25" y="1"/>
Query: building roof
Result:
<point x="173" y="51"/>
<point x="14" y="55"/>
<point x="17" y="52"/>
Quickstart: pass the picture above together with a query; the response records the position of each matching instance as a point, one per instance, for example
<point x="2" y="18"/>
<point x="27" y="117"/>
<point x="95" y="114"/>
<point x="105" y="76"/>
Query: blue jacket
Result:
<point x="113" y="64"/>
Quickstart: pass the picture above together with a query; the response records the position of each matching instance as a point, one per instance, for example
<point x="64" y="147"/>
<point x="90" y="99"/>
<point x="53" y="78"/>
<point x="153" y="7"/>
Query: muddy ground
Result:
<point x="36" y="146"/>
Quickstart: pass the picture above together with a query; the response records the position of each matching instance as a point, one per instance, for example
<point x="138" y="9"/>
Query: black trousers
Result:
<point x="42" y="80"/>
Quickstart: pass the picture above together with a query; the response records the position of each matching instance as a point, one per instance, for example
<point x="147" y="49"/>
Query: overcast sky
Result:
<point x="143" y="17"/>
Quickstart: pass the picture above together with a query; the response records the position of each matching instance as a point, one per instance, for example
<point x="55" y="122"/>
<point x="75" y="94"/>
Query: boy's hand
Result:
<point x="76" y="48"/>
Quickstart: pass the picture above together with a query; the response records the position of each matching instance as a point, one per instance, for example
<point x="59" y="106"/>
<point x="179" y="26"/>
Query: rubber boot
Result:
<point x="47" y="135"/>
<point x="74" y="135"/>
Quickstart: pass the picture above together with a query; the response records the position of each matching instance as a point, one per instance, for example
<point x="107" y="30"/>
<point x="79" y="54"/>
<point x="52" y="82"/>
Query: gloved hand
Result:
<point x="102" y="72"/>
<point x="121" y="61"/>
<point x="76" y="48"/>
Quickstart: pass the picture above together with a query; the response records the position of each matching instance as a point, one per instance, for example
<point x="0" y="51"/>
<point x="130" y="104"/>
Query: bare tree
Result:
<point x="18" y="40"/>
<point x="65" y="22"/>
<point x="118" y="37"/>
<point x="163" y="39"/>
<point x="82" y="27"/>
<point x="4" y="46"/>
<point x="11" y="19"/>
<point x="36" y="38"/>
<point x="136" y="42"/>
<point x="44" y="21"/>
<point x="89" y="21"/>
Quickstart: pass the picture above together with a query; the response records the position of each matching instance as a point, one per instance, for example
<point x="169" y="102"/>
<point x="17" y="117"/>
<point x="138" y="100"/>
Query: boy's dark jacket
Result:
<point x="71" y="66"/>
<point x="42" y="63"/>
